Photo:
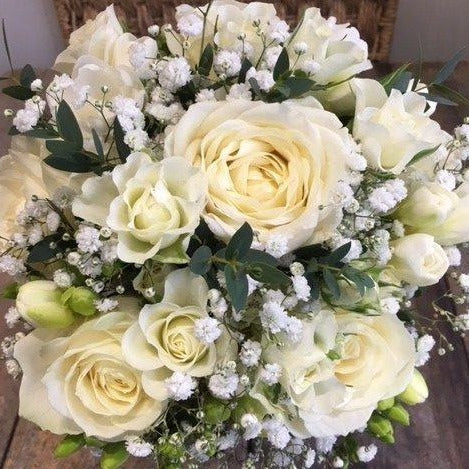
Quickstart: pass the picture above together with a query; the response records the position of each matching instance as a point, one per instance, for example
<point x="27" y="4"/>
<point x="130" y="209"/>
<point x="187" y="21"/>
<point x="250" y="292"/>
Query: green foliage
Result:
<point x="27" y="76"/>
<point x="245" y="66"/>
<point x="381" y="428"/>
<point x="398" y="414"/>
<point x="422" y="154"/>
<point x="240" y="243"/>
<point x="215" y="410"/>
<point x="47" y="248"/>
<point x="69" y="445"/>
<point x="282" y="65"/>
<point x="10" y="291"/>
<point x="123" y="150"/>
<point x="206" y="61"/>
<point x="201" y="260"/>
<point x="237" y="286"/>
<point x="396" y="79"/>
<point x="18" y="92"/>
<point x="114" y="456"/>
<point x="67" y="125"/>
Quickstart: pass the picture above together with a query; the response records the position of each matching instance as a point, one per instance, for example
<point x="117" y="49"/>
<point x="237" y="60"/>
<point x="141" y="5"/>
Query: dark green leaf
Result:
<point x="114" y="455"/>
<point x="61" y="147"/>
<point x="448" y="68"/>
<point x="253" y="255"/>
<point x="42" y="251"/>
<point x="67" y="125"/>
<point x="337" y="255"/>
<point x="308" y="252"/>
<point x="273" y="392"/>
<point x="216" y="411"/>
<point x="266" y="273"/>
<point x="27" y="76"/>
<point x="245" y="66"/>
<point x="331" y="284"/>
<point x="97" y="144"/>
<point x="70" y="162"/>
<point x="438" y="99"/>
<point x="123" y="149"/>
<point x="282" y="65"/>
<point x="240" y="243"/>
<point x="298" y="86"/>
<point x="10" y="291"/>
<point x="201" y="260"/>
<point x="18" y="92"/>
<point x="5" y="43"/>
<point x="388" y="81"/>
<point x="448" y="93"/>
<point x="206" y="61"/>
<point x="41" y="133"/>
<point x="422" y="154"/>
<point x="69" y="445"/>
<point x="313" y="282"/>
<point x="237" y="287"/>
<point x="255" y="87"/>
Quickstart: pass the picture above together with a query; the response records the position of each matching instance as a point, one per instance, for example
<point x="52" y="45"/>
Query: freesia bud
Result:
<point x="381" y="428"/>
<point x="398" y="414"/>
<point x="80" y="300"/>
<point x="416" y="392"/>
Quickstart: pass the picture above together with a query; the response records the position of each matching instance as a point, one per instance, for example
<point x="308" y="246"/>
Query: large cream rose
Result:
<point x="392" y="130"/>
<point x="81" y="383"/>
<point x="418" y="260"/>
<point x="104" y="39"/>
<point x="232" y="19"/>
<point x="275" y="166"/>
<point x="153" y="207"/>
<point x="337" y="49"/>
<point x="23" y="174"/>
<point x="434" y="210"/>
<point x="336" y="397"/>
<point x="163" y="339"/>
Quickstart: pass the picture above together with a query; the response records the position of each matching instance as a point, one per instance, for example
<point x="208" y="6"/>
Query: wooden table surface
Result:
<point x="438" y="437"/>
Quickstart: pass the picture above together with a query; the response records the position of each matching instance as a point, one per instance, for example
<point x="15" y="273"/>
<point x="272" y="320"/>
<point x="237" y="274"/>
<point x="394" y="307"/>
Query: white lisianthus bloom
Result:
<point x="434" y="210"/>
<point x="102" y="38"/>
<point x="418" y="260"/>
<point x="393" y="129"/>
<point x="275" y="166"/>
<point x="337" y="397"/>
<point x="82" y="382"/>
<point x="233" y="19"/>
<point x="153" y="207"/>
<point x="336" y="49"/>
<point x="164" y="341"/>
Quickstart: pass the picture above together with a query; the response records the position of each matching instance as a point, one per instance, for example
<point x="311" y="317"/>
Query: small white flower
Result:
<point x="35" y="234"/>
<point x="367" y="453"/>
<point x="300" y="48"/>
<point x="87" y="239"/>
<point x="250" y="353"/>
<point x="273" y="317"/>
<point x="136" y="139"/>
<point x="227" y="441"/>
<point x="461" y="322"/>
<point x="252" y="426"/>
<point x="277" y="245"/>
<point x="271" y="56"/>
<point x="310" y="458"/>
<point x="63" y="197"/>
<point x="239" y="91"/>
<point x="11" y="265"/>
<point x="277" y="433"/>
<point x="464" y="282"/>
<point x="270" y="373"/>
<point x="53" y="221"/>
<point x="12" y="317"/>
<point x="190" y="25"/>
<point x="264" y="78"/>
<point x="296" y="268"/>
<point x="454" y="255"/>
<point x="174" y="73"/>
<point x="62" y="278"/>
<point x="105" y="305"/>
<point x="445" y="179"/>
<point x="128" y="112"/>
<point x="227" y="62"/>
<point x="423" y="347"/>
<point x="109" y="251"/>
<point x="180" y="386"/>
<point x="223" y="385"/>
<point x="137" y="447"/>
<point x="301" y="287"/>
<point x="13" y="367"/>
<point x="278" y="31"/>
<point x="294" y="329"/>
<point x="325" y="444"/>
<point x="207" y="330"/>
<point x="36" y="85"/>
<point x="337" y="462"/>
<point x="153" y="30"/>
<point x="61" y="83"/>
<point x="310" y="67"/>
<point x="205" y="95"/>
<point x="167" y="114"/>
<point x="389" y="305"/>
<point x="398" y="228"/>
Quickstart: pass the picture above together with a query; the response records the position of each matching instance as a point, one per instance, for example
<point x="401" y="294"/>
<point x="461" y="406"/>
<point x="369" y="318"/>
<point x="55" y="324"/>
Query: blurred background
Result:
<point x="35" y="36"/>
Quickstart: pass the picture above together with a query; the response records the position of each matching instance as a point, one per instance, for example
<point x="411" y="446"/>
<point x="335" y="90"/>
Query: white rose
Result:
<point x="153" y="207"/>
<point x="274" y="166"/>
<point x="81" y="383"/>
<point x="233" y="19"/>
<point x="337" y="397"/>
<point x="434" y="210"/>
<point x="102" y="38"/>
<point x="163" y="339"/>
<point x="418" y="260"/>
<point x="337" y="49"/>
<point x="393" y="129"/>
<point x="23" y="174"/>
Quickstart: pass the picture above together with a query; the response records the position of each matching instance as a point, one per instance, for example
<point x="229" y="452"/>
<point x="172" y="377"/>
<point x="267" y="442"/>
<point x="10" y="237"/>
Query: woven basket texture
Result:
<point x="374" y="18"/>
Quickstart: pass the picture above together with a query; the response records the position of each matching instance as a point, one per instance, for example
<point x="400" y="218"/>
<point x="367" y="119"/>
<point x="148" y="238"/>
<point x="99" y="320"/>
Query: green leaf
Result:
<point x="69" y="445"/>
<point x="308" y="252"/>
<point x="67" y="125"/>
<point x="97" y="144"/>
<point x="266" y="273"/>
<point x="422" y="154"/>
<point x="41" y="133"/>
<point x="123" y="150"/>
<point x="10" y="291"/>
<point x="282" y="65"/>
<point x="215" y="410"/>
<point x="206" y="61"/>
<point x="27" y="76"/>
<point x="61" y="147"/>
<point x="240" y="243"/>
<point x="5" y="43"/>
<point x="255" y="87"/>
<point x="18" y="92"/>
<point x="114" y="455"/>
<point x="298" y="86"/>
<point x="313" y="282"/>
<point x="245" y="66"/>
<point x="273" y="392"/>
<point x="42" y="251"/>
<point x="253" y="255"/>
<point x="448" y="93"/>
<point x="201" y="262"/>
<point x="389" y="80"/>
<point x="70" y="162"/>
<point x="449" y="67"/>
<point x="237" y="287"/>
<point x="438" y="99"/>
<point x="337" y="255"/>
<point x="331" y="283"/>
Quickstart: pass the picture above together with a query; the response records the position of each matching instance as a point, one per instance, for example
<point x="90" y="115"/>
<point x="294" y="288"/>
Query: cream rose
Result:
<point x="275" y="166"/>
<point x="82" y="382"/>
<point x="393" y="129"/>
<point x="153" y="207"/>
<point x="103" y="38"/>
<point x="337" y="397"/>
<point x="163" y="339"/>
<point x="418" y="260"/>
<point x="233" y="19"/>
<point x="336" y="49"/>
<point x="434" y="210"/>
<point x="23" y="174"/>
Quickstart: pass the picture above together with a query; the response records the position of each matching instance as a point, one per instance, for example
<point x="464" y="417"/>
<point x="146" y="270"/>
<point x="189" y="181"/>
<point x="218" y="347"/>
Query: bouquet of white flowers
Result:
<point x="216" y="232"/>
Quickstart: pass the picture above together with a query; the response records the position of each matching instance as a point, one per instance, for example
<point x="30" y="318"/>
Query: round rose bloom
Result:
<point x="393" y="129"/>
<point x="82" y="383"/>
<point x="434" y="210"/>
<point x="335" y="397"/>
<point x="104" y="39"/>
<point x="153" y="207"/>
<point x="275" y="166"/>
<point x="418" y="260"/>
<point x="163" y="340"/>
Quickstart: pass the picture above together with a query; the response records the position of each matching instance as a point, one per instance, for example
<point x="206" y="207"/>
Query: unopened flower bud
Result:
<point x="381" y="428"/>
<point x="398" y="414"/>
<point x="416" y="392"/>
<point x="386" y="403"/>
<point x="80" y="300"/>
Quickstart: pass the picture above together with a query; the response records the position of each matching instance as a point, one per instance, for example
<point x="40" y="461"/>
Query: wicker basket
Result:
<point x="374" y="18"/>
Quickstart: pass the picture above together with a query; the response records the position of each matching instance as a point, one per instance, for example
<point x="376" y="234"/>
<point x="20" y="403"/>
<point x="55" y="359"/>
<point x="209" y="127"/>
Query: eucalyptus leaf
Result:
<point x="123" y="150"/>
<point x="237" y="287"/>
<point x="97" y="144"/>
<point x="422" y="154"/>
<point x="70" y="162"/>
<point x="67" y="125"/>
<point x="337" y="255"/>
<point x="298" y="86"/>
<point x="388" y="81"/>
<point x="245" y="66"/>
<point x="62" y="147"/>
<point x="206" y="61"/>
<point x="449" y="67"/>
<point x="18" y="92"/>
<point x="448" y="93"/>
<point x="27" y="76"/>
<point x="268" y="274"/>
<point x="331" y="283"/>
<point x="255" y="87"/>
<point x="282" y="65"/>
<point x="240" y="243"/>
<point x="253" y="255"/>
<point x="200" y="262"/>
<point x="42" y="251"/>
